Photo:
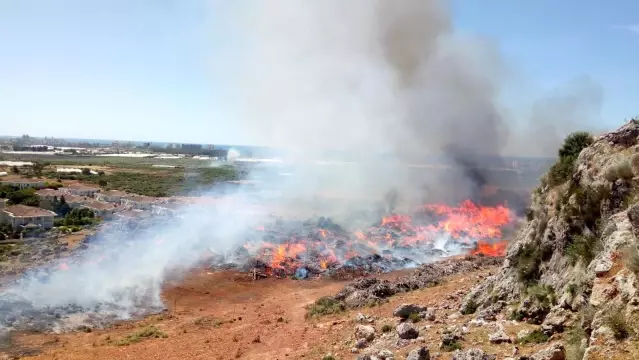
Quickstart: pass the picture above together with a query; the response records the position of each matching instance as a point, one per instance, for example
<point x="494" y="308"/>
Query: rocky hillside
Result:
<point x="572" y="267"/>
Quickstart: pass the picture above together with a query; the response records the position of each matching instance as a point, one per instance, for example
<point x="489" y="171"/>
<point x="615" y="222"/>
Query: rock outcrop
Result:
<point x="577" y="252"/>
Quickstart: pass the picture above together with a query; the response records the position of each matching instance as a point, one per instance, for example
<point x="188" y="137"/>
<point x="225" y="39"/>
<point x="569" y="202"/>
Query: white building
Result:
<point x="112" y="196"/>
<point x="139" y="202"/>
<point x="81" y="190"/>
<point x="25" y="183"/>
<point x="19" y="216"/>
<point x="101" y="209"/>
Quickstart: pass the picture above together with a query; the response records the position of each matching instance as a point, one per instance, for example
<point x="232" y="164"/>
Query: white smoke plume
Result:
<point x="381" y="77"/>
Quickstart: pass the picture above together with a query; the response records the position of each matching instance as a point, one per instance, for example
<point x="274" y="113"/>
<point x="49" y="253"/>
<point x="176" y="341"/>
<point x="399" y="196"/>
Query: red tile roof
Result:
<point x="96" y="205"/>
<point x="82" y="187"/>
<point x="27" y="211"/>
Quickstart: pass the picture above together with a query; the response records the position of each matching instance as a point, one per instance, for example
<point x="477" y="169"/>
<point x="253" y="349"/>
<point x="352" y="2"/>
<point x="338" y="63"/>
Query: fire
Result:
<point x="396" y="221"/>
<point x="467" y="224"/>
<point x="491" y="249"/>
<point x="286" y="253"/>
<point x="471" y="220"/>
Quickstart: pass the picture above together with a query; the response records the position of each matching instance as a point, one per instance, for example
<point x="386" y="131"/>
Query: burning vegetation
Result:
<point x="302" y="249"/>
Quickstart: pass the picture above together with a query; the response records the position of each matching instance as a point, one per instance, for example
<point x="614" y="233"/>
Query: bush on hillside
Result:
<point x="634" y="163"/>
<point x="575" y="143"/>
<point x="584" y="248"/>
<point x="616" y="321"/>
<point x="568" y="153"/>
<point x="529" y="261"/>
<point x="620" y="169"/>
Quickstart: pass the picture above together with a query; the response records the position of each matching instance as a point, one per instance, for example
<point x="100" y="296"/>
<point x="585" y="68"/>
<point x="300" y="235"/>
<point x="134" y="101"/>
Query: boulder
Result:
<point x="404" y="310"/>
<point x="523" y="334"/>
<point x="365" y="332"/>
<point x="554" y="352"/>
<point x="385" y="354"/>
<point x="429" y="315"/>
<point x="361" y="343"/>
<point x="407" y="331"/>
<point x="451" y="335"/>
<point x="499" y="337"/>
<point x="556" y="321"/>
<point x="472" y="354"/>
<point x="421" y="353"/>
<point x="490" y="313"/>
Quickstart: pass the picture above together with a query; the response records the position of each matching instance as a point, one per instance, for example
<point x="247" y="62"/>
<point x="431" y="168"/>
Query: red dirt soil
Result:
<point x="262" y="319"/>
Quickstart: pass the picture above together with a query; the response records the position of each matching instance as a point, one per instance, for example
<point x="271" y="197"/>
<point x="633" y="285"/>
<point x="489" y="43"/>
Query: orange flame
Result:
<point x="467" y="223"/>
<point x="491" y="249"/>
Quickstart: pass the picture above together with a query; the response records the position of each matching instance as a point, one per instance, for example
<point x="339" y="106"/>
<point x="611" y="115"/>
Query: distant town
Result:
<point x="26" y="144"/>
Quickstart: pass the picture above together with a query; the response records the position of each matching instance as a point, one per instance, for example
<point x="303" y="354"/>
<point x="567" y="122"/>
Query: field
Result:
<point x="136" y="175"/>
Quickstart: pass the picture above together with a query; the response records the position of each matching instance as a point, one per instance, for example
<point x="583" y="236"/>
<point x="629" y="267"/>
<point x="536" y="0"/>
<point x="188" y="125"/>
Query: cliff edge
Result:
<point x="573" y="265"/>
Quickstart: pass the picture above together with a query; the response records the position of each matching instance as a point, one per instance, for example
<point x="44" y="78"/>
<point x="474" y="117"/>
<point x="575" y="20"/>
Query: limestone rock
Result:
<point x="405" y="310"/>
<point x="557" y="320"/>
<point x="554" y="352"/>
<point x="472" y="354"/>
<point x="490" y="313"/>
<point x="385" y="354"/>
<point x="420" y="353"/>
<point x="407" y="331"/>
<point x="365" y="332"/>
<point x="499" y="337"/>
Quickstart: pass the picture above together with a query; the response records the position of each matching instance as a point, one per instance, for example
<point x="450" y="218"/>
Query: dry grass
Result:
<point x="617" y="322"/>
<point x="149" y="332"/>
<point x="620" y="169"/>
<point x="634" y="163"/>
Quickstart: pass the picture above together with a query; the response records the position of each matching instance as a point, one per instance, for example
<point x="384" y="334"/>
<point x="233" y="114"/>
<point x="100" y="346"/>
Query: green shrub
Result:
<point x="544" y="294"/>
<point x="587" y="208"/>
<point x="80" y="217"/>
<point x="535" y="337"/>
<point x="54" y="186"/>
<point x="470" y="307"/>
<point x="530" y="214"/>
<point x="528" y="262"/>
<point x="451" y="346"/>
<point x="414" y="317"/>
<point x="329" y="357"/>
<point x="16" y="196"/>
<point x="148" y="332"/>
<point x="324" y="306"/>
<point x="568" y="153"/>
<point x="572" y="289"/>
<point x="387" y="328"/>
<point x="574" y="350"/>
<point x="617" y="322"/>
<point x="516" y="315"/>
<point x="583" y="248"/>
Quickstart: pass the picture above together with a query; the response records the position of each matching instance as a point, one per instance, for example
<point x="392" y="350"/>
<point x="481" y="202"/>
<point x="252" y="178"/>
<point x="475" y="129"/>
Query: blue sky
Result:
<point x="140" y="69"/>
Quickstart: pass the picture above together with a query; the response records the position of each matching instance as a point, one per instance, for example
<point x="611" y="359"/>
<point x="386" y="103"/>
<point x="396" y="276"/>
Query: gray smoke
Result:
<point x="380" y="76"/>
<point x="573" y="106"/>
